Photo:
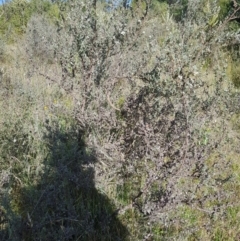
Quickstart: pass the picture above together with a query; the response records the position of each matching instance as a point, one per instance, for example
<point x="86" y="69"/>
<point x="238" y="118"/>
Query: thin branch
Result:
<point x="111" y="104"/>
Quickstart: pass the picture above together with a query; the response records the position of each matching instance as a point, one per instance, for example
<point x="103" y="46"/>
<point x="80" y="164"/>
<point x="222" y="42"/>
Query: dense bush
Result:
<point x="123" y="129"/>
<point x="167" y="128"/>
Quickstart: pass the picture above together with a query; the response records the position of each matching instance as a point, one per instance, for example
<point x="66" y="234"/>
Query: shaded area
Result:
<point x="64" y="203"/>
<point x="114" y="4"/>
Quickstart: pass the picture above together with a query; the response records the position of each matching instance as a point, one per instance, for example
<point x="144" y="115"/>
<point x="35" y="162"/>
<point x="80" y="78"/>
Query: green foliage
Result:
<point x="2" y="50"/>
<point x="225" y="7"/>
<point x="179" y="10"/>
<point x="16" y="14"/>
<point x="15" y="17"/>
<point x="160" y="7"/>
<point x="235" y="73"/>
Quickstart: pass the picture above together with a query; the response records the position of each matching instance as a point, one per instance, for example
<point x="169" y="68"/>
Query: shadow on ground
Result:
<point x="63" y="203"/>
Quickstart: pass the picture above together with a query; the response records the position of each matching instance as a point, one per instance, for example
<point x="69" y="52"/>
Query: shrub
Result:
<point x="165" y="133"/>
<point x="140" y="113"/>
<point x="41" y="39"/>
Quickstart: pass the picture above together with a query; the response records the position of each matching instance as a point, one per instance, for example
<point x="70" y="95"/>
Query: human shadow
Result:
<point x="63" y="203"/>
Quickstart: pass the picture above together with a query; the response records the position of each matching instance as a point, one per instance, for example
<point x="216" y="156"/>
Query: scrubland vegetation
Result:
<point x="119" y="125"/>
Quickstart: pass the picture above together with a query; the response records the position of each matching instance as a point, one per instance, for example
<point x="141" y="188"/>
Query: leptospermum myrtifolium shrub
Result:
<point x="141" y="111"/>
